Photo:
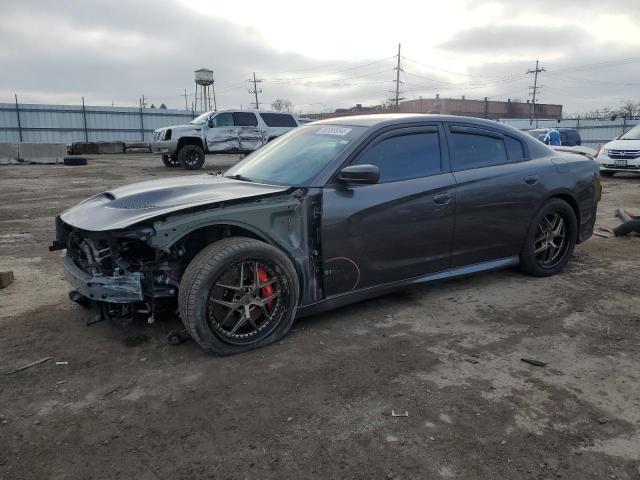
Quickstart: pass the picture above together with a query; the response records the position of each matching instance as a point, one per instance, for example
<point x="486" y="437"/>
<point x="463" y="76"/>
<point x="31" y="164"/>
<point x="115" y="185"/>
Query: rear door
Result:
<point x="400" y="227"/>
<point x="498" y="191"/>
<point x="250" y="136"/>
<point x="222" y="135"/>
<point x="278" y="123"/>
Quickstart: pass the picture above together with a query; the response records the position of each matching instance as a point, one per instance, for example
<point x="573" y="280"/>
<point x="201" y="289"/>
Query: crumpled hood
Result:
<point x="131" y="204"/>
<point x="186" y="129"/>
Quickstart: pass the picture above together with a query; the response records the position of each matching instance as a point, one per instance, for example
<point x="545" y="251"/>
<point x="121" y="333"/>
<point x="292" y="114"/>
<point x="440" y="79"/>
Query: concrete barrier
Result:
<point x="137" y="147"/>
<point x="41" y="152"/>
<point x="111" y="147"/>
<point x="8" y="153"/>
<point x="84" y="148"/>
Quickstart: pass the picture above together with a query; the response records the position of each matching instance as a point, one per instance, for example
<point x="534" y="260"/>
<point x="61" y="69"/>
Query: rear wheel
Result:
<point x="550" y="240"/>
<point x="170" y="161"/>
<point x="605" y="173"/>
<point x="191" y="157"/>
<point x="238" y="294"/>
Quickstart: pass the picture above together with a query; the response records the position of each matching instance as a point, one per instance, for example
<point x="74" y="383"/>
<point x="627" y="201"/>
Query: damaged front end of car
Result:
<point x="117" y="272"/>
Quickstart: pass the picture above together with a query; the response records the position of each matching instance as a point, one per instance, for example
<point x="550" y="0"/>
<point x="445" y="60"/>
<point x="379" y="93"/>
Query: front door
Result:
<point x="399" y="228"/>
<point x="221" y="133"/>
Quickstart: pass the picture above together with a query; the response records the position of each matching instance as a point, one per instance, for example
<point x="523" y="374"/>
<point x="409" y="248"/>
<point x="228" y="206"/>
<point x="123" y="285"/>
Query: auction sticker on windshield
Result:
<point x="338" y="131"/>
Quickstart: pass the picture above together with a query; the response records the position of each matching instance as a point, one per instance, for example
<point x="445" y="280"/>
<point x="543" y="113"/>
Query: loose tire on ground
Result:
<point x="528" y="261"/>
<point x="191" y="157"/>
<point x="74" y="161"/>
<point x="170" y="161"/>
<point x="202" y="278"/>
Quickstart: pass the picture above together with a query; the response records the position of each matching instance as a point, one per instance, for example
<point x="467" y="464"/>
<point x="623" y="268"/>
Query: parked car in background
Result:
<point x="225" y="131"/>
<point x="569" y="137"/>
<point x="621" y="154"/>
<point x="331" y="213"/>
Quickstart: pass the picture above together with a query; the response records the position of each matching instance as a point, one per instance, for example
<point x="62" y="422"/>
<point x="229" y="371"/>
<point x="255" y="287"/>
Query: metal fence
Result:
<point x="21" y="122"/>
<point x="593" y="131"/>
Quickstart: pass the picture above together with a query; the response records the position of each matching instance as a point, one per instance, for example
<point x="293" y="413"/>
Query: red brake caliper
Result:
<point x="267" y="291"/>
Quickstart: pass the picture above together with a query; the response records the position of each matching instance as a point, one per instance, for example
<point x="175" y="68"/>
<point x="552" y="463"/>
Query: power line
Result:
<point x="534" y="92"/>
<point x="255" y="90"/>
<point x="398" y="69"/>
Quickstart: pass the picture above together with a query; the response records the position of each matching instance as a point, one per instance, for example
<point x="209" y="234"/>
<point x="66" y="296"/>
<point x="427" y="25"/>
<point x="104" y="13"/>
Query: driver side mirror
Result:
<point x="210" y="123"/>
<point x="359" y="174"/>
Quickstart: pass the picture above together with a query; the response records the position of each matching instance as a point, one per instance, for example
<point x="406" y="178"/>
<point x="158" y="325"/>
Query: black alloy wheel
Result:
<point x="246" y="302"/>
<point x="191" y="157"/>
<point x="170" y="161"/>
<point x="551" y="243"/>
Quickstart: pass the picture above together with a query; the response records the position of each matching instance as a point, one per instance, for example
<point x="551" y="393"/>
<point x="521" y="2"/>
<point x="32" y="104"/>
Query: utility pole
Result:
<point x="255" y="90"/>
<point x="398" y="69"/>
<point x="186" y="96"/>
<point x="213" y="89"/>
<point x="534" y="92"/>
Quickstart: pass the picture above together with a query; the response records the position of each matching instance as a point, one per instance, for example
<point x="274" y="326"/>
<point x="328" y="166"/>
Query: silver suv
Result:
<point x="226" y="131"/>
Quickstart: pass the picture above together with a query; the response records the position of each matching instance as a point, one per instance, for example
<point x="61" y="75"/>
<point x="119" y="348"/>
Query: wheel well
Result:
<point x="571" y="201"/>
<point x="189" y="141"/>
<point x="192" y="243"/>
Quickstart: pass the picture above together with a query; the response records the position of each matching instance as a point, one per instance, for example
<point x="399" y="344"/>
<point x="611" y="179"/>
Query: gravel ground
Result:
<point x="319" y="404"/>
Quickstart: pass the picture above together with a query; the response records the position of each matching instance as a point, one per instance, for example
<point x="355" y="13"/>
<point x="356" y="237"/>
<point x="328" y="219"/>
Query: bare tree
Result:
<point x="282" y="105"/>
<point x="630" y="108"/>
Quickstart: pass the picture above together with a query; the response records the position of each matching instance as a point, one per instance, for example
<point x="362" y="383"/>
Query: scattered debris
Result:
<point x="32" y="364"/>
<point x="535" y="363"/>
<point x="62" y="363"/>
<point x="112" y="391"/>
<point x="602" y="420"/>
<point x="630" y="223"/>
<point x="603" y="232"/>
<point x="289" y="419"/>
<point x="399" y="413"/>
<point x="6" y="279"/>
<point x="503" y="442"/>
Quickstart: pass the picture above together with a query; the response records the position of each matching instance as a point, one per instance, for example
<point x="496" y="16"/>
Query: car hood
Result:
<point x="131" y="204"/>
<point x="623" y="145"/>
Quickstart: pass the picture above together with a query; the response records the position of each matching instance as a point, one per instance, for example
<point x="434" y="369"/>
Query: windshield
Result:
<point x="298" y="156"/>
<point x="633" y="134"/>
<point x="200" y="119"/>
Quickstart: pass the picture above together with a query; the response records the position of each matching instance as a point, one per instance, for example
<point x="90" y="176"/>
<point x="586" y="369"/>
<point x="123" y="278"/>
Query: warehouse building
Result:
<point x="480" y="108"/>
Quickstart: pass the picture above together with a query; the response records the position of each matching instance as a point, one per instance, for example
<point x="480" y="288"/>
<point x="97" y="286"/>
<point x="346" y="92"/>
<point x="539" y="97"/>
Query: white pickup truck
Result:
<point x="225" y="131"/>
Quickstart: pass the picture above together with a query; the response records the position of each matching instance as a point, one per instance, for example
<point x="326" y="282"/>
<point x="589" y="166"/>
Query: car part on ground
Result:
<point x="630" y="223"/>
<point x="329" y="214"/>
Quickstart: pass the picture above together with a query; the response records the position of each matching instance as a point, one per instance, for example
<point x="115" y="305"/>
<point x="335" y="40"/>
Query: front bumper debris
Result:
<point x="114" y="289"/>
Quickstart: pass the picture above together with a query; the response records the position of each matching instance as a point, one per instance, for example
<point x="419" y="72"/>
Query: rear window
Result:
<point x="475" y="150"/>
<point x="278" y="120"/>
<point x="515" y="149"/>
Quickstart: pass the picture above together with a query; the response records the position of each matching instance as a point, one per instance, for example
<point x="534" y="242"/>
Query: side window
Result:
<point x="564" y="138"/>
<point x="405" y="156"/>
<point x="475" y="150"/>
<point x="278" y="120"/>
<point x="223" y="120"/>
<point x="515" y="149"/>
<point x="245" y="119"/>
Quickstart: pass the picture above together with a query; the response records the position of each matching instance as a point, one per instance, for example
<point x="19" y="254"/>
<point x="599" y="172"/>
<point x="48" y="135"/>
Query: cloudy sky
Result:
<point x="320" y="55"/>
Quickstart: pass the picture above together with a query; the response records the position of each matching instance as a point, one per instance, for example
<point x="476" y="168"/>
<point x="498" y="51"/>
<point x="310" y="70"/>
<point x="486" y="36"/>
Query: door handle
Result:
<point x="531" y="179"/>
<point x="442" y="199"/>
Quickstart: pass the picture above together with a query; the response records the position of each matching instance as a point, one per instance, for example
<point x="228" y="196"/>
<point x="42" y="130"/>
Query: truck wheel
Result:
<point x="191" y="157"/>
<point x="551" y="239"/>
<point x="170" y="161"/>
<point x="238" y="294"/>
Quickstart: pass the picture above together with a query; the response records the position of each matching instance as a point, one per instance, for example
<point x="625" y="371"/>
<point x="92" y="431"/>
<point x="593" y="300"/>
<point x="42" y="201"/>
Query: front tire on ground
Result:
<point x="191" y="157"/>
<point x="238" y="294"/>
<point x="550" y="240"/>
<point x="170" y="161"/>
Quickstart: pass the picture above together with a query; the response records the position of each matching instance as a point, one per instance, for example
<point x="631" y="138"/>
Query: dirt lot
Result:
<point x="319" y="403"/>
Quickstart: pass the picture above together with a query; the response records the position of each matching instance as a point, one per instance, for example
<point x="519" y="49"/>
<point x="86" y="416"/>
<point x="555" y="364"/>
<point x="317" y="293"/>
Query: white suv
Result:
<point x="226" y="131"/>
<point x="621" y="154"/>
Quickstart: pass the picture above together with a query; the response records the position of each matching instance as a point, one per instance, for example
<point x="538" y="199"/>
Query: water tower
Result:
<point x="204" y="79"/>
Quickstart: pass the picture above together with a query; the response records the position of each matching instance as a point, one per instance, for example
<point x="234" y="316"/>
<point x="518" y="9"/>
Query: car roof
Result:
<point x="252" y="110"/>
<point x="384" y="119"/>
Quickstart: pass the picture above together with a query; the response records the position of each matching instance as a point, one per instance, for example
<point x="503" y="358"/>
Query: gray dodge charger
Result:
<point x="331" y="213"/>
